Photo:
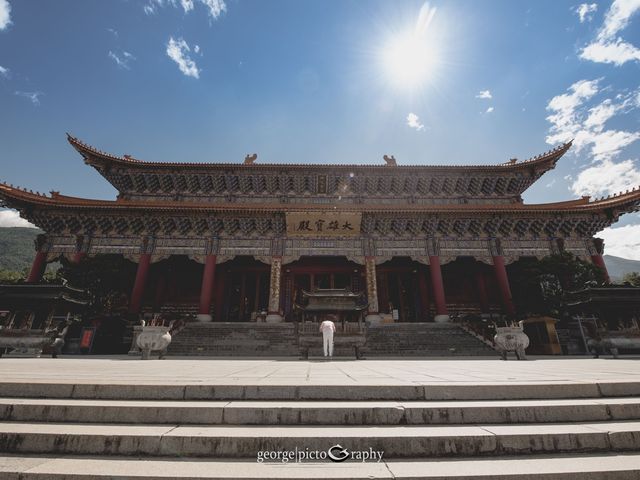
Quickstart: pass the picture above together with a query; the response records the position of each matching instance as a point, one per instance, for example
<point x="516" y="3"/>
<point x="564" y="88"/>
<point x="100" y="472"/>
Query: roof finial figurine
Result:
<point x="391" y="160"/>
<point x="250" y="159"/>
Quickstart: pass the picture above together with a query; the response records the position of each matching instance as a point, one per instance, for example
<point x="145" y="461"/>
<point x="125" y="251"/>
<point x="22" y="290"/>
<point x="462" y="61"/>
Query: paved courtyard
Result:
<point x="128" y="370"/>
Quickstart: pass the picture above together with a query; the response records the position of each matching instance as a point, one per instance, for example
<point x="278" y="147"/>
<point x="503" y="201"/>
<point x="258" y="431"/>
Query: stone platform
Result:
<point x="123" y="418"/>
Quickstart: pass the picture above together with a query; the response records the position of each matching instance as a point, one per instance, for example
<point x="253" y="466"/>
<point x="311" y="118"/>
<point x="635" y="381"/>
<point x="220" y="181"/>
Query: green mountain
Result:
<point x="618" y="267"/>
<point x="16" y="247"/>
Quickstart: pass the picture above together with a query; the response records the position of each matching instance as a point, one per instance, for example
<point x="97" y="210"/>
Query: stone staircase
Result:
<point x="235" y="339"/>
<point x="268" y="339"/>
<point x="519" y="431"/>
<point x="423" y="339"/>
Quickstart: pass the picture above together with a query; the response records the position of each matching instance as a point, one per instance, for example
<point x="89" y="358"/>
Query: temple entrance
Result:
<point x="318" y="273"/>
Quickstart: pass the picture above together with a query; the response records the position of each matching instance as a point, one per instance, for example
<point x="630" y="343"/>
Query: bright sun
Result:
<point x="410" y="57"/>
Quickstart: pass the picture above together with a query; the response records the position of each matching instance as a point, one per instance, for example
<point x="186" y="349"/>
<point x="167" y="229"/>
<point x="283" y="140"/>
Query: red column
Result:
<point x="438" y="285"/>
<point x="207" y="288"/>
<point x="37" y="267"/>
<point x="141" y="280"/>
<point x="598" y="261"/>
<point x="482" y="292"/>
<point x="424" y="293"/>
<point x="503" y="283"/>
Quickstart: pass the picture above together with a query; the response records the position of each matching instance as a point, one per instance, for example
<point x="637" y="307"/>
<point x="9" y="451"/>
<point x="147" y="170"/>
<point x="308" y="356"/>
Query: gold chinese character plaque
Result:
<point x="323" y="224"/>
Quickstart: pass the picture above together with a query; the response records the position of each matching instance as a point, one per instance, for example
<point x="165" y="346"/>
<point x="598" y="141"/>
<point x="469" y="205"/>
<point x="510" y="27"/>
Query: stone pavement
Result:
<point x="225" y="371"/>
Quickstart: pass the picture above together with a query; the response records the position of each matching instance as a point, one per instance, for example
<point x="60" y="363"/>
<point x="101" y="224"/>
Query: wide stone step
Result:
<point x="317" y="413"/>
<point x="601" y="466"/>
<point x="246" y="441"/>
<point x="326" y="391"/>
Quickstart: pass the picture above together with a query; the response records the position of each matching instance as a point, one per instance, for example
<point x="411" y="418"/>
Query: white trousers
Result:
<point x="327" y="341"/>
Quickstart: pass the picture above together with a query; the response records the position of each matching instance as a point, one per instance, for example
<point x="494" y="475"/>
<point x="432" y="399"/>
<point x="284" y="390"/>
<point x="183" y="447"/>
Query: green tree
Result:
<point x="107" y="278"/>
<point x="11" y="276"/>
<point x="538" y="286"/>
<point x="632" y="278"/>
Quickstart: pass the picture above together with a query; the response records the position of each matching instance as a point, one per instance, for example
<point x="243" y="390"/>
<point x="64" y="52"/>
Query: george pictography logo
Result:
<point x="336" y="453"/>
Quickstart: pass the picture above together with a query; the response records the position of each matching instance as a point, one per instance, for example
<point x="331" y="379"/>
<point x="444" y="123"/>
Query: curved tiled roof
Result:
<point x="17" y="197"/>
<point x="92" y="156"/>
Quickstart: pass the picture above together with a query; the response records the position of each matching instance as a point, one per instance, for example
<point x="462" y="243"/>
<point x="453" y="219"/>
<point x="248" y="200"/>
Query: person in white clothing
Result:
<point x="327" y="328"/>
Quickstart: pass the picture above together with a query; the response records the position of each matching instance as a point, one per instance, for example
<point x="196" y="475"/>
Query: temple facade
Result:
<point x="242" y="241"/>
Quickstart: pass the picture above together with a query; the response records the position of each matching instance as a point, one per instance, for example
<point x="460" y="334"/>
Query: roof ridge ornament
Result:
<point x="250" y="159"/>
<point x="390" y="160"/>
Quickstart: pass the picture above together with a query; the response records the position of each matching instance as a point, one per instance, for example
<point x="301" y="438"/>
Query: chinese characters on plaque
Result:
<point x="323" y="224"/>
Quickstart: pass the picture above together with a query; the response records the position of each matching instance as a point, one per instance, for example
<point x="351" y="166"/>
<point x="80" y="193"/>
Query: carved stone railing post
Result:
<point x="373" y="315"/>
<point x="273" y="315"/>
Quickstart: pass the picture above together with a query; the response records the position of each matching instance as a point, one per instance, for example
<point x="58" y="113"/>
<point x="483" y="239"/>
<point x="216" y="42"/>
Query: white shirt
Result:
<point x="327" y="326"/>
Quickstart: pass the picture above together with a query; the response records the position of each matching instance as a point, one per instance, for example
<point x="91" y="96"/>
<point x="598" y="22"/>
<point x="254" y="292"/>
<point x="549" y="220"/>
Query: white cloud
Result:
<point x="607" y="177"/>
<point x="489" y="110"/>
<point x="573" y="118"/>
<point x="33" y="96"/>
<point x="617" y="17"/>
<point x="122" y="60"/>
<point x="113" y="31"/>
<point x="178" y="51"/>
<point x="413" y="121"/>
<point x="196" y="48"/>
<point x="4" y="72"/>
<point x="484" y="94"/>
<point x="582" y="115"/>
<point x="617" y="52"/>
<point x="215" y="8"/>
<point x="607" y="47"/>
<point x="585" y="11"/>
<point x="622" y="241"/>
<point x="11" y="218"/>
<point x="5" y="14"/>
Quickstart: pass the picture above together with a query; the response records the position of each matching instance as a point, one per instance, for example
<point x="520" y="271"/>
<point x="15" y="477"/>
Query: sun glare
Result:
<point x="409" y="57"/>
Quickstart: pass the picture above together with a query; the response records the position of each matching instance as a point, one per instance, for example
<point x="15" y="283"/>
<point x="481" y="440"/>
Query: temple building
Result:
<point x="234" y="242"/>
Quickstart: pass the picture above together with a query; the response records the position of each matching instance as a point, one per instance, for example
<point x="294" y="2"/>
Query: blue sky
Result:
<point x="324" y="81"/>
